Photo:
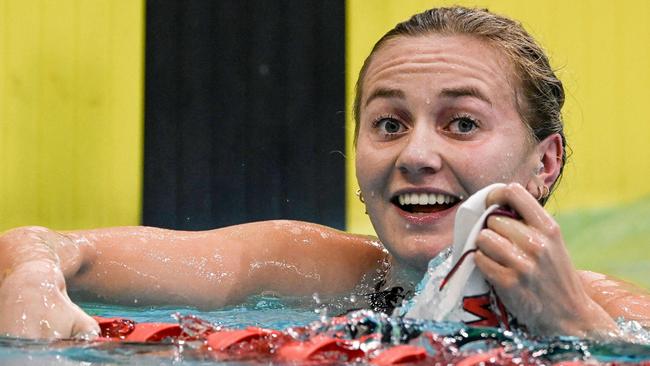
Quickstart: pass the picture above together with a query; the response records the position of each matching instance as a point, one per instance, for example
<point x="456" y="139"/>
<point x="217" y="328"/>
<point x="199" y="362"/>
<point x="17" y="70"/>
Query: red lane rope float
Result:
<point x="253" y="342"/>
<point x="128" y="331"/>
<point x="115" y="328"/>
<point x="398" y="355"/>
<point x="320" y="348"/>
<point x="223" y="340"/>
<point x="268" y="344"/>
<point x="154" y="332"/>
<point x="489" y="357"/>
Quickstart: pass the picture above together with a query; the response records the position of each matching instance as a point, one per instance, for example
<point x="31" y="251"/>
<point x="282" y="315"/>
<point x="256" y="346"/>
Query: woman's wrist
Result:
<point x="43" y="273"/>
<point x="590" y="321"/>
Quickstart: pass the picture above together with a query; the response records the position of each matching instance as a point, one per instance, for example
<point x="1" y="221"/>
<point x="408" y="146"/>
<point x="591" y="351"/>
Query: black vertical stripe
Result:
<point x="244" y="112"/>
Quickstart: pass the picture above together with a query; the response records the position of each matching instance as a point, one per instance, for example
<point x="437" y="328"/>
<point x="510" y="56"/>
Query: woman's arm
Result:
<point x="618" y="298"/>
<point x="141" y="265"/>
<point x="34" y="303"/>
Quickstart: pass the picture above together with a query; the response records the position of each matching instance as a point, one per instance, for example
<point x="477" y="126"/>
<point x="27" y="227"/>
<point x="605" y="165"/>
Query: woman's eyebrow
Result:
<point x="385" y="93"/>
<point x="465" y="91"/>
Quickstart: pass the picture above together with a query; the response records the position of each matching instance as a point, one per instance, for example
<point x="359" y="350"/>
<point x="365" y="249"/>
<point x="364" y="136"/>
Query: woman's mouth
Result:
<point x="424" y="202"/>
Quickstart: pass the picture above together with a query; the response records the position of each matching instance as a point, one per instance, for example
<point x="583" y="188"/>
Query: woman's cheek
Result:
<point x="478" y="168"/>
<point x="369" y="170"/>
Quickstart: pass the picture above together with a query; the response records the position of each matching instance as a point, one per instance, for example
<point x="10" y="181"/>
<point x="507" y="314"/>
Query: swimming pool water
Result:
<point x="271" y="313"/>
<point x="261" y="312"/>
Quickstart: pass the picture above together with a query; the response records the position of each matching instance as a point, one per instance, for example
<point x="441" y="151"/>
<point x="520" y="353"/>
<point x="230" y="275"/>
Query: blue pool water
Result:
<point x="262" y="312"/>
<point x="271" y="313"/>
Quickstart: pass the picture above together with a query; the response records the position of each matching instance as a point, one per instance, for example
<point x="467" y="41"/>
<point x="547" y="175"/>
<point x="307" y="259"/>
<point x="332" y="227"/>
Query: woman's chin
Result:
<point x="416" y="252"/>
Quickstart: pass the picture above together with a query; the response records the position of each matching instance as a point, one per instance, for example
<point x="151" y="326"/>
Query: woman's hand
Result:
<point x="33" y="299"/>
<point x="528" y="264"/>
<point x="34" y="304"/>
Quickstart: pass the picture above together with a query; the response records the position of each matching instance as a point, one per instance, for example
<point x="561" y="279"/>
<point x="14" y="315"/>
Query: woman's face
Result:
<point x="438" y="121"/>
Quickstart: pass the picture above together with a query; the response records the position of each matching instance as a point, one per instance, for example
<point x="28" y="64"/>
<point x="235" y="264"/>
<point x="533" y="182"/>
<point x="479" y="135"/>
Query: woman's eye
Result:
<point x="389" y="126"/>
<point x="462" y="126"/>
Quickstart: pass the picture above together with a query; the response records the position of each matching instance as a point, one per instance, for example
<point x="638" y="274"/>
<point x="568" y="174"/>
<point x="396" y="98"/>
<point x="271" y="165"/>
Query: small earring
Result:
<point x="360" y="195"/>
<point x="542" y="192"/>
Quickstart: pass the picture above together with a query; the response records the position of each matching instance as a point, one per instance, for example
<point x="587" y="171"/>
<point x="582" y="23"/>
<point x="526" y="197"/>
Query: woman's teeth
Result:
<point x="425" y="199"/>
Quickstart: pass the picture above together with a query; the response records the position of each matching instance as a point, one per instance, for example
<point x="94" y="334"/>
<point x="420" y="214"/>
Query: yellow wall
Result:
<point x="601" y="49"/>
<point x="71" y="85"/>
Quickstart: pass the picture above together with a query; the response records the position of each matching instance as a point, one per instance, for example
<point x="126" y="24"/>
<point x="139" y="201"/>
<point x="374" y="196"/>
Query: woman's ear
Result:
<point x="550" y="152"/>
<point x="548" y="165"/>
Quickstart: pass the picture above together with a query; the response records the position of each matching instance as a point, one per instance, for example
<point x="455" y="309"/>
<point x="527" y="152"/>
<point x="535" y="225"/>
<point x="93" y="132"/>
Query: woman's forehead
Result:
<point x="451" y="61"/>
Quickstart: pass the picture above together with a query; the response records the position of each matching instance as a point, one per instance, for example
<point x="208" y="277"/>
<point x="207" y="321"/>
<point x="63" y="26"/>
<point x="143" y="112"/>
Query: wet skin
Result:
<point x="438" y="115"/>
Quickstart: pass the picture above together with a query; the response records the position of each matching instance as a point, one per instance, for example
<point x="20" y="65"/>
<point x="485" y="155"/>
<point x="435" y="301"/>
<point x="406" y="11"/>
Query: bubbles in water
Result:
<point x="633" y="331"/>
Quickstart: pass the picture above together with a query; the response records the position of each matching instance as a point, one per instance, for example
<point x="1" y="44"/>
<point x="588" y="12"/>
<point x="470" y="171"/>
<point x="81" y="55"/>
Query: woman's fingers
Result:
<point x="496" y="274"/>
<point x="499" y="249"/>
<point x="85" y="327"/>
<point x="523" y="237"/>
<point x="519" y="199"/>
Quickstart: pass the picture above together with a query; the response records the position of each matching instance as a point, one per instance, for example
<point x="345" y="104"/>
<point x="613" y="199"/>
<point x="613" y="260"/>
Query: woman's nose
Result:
<point x="420" y="154"/>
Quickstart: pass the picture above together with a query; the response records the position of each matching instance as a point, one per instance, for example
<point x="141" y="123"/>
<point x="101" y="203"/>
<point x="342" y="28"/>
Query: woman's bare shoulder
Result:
<point x="619" y="298"/>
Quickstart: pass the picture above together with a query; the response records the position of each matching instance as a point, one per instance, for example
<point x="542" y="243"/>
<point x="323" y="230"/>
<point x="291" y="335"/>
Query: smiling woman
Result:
<point x="433" y="131"/>
<point x="448" y="102"/>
